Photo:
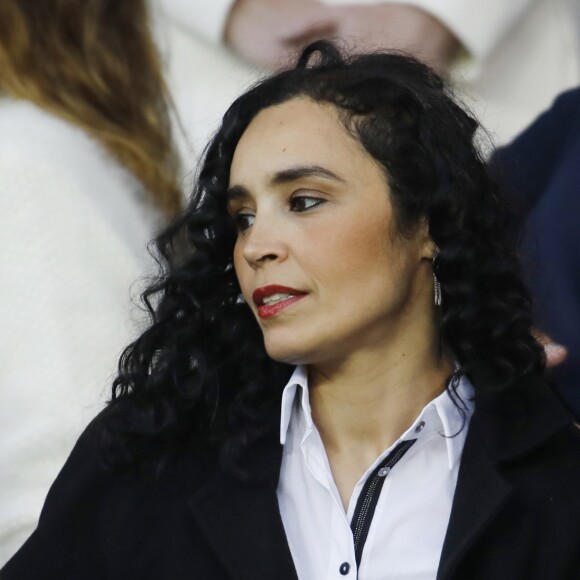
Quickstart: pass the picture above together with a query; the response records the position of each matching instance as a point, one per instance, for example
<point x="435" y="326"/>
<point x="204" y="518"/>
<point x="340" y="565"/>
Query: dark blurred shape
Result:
<point x="540" y="171"/>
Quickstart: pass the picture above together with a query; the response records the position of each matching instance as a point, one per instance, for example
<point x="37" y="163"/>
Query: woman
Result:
<point x="87" y="174"/>
<point x="342" y="222"/>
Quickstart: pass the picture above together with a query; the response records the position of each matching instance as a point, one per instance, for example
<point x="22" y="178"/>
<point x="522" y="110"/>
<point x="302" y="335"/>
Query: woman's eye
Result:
<point x="244" y="221"/>
<point x="304" y="202"/>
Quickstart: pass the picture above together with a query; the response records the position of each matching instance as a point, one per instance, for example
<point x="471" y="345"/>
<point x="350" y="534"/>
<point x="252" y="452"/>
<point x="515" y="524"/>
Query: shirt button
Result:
<point x="344" y="568"/>
<point x="383" y="471"/>
<point x="420" y="427"/>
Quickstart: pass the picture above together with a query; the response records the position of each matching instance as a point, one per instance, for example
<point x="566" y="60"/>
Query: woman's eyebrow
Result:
<point x="237" y="192"/>
<point x="294" y="173"/>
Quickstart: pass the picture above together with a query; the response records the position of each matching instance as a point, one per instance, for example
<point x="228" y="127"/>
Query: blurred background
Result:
<point x="105" y="108"/>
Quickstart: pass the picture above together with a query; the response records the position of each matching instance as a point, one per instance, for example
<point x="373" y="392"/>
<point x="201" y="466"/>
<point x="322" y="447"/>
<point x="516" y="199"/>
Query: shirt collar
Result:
<point x="298" y="381"/>
<point x="440" y="415"/>
<point x="443" y="416"/>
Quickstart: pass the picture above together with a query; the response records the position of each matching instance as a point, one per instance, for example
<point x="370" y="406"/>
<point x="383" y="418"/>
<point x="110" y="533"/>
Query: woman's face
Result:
<point x="318" y="256"/>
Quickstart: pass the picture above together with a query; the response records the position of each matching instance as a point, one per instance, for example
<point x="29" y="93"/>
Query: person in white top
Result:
<point x="340" y="379"/>
<point x="87" y="175"/>
<point x="509" y="58"/>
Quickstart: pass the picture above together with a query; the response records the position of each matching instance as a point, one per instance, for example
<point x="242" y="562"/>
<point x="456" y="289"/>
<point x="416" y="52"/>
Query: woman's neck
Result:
<point x="362" y="405"/>
<point x="371" y="403"/>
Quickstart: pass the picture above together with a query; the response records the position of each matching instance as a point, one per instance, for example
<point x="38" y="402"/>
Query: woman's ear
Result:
<point x="428" y="247"/>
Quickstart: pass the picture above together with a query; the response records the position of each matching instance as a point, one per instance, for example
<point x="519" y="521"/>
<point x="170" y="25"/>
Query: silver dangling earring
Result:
<point x="436" y="285"/>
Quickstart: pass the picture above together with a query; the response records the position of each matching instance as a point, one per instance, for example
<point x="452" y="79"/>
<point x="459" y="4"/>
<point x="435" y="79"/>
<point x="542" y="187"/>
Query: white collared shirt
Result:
<point x="410" y="521"/>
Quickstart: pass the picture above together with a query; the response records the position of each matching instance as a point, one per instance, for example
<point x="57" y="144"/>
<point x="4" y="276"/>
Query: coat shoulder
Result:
<point x="90" y="508"/>
<point x="551" y="473"/>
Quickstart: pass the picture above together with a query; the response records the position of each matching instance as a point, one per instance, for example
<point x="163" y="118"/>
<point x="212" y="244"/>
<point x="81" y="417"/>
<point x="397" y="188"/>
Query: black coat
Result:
<point x="515" y="514"/>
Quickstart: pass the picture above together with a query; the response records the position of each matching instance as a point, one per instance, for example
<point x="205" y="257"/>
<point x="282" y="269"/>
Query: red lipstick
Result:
<point x="267" y="310"/>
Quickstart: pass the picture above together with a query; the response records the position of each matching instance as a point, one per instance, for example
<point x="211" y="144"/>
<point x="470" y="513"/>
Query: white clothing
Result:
<point x="413" y="508"/>
<point x="519" y="55"/>
<point x="73" y="234"/>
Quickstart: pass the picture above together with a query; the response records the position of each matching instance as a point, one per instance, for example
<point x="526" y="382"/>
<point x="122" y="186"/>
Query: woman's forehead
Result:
<point x="299" y="132"/>
<point x="301" y="115"/>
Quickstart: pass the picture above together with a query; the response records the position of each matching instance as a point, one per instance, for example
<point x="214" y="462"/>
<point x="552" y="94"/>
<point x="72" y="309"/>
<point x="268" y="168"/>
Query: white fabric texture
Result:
<point x="208" y="23"/>
<point x="73" y="232"/>
<point x="479" y="26"/>
<point x="519" y="56"/>
<point x="413" y="508"/>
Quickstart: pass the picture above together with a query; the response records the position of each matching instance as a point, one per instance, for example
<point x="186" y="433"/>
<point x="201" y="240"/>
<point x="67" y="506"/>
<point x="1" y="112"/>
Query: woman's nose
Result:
<point x="264" y="243"/>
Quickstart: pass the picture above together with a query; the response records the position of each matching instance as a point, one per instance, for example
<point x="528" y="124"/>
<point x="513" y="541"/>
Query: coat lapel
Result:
<point x="479" y="495"/>
<point x="242" y="522"/>
<point x="506" y="425"/>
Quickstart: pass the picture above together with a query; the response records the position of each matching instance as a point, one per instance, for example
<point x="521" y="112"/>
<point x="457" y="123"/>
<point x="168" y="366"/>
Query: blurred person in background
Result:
<point x="88" y="172"/>
<point x="508" y="59"/>
<point x="540" y="171"/>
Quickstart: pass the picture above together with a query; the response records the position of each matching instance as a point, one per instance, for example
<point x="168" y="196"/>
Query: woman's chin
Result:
<point x="288" y="352"/>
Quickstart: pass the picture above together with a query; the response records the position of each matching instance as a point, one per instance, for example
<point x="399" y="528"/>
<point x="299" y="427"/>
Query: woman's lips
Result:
<point x="265" y="292"/>
<point x="269" y="310"/>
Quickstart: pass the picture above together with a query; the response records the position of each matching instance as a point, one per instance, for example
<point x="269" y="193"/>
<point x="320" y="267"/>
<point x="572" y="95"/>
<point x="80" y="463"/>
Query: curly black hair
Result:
<point x="200" y="373"/>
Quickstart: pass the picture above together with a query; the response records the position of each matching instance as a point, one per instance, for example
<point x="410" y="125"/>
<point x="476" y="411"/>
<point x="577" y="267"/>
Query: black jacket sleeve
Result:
<point x="83" y="514"/>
